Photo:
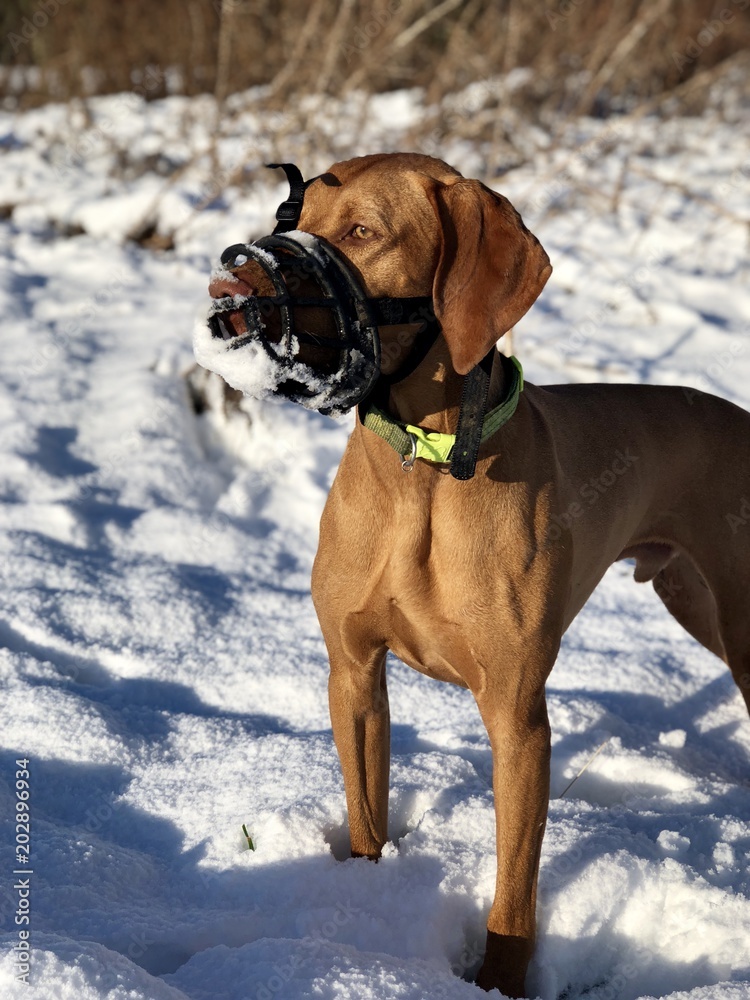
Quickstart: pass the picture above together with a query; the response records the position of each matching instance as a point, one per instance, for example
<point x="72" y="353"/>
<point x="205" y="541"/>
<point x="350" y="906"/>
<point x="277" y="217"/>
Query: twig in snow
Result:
<point x="591" y="758"/>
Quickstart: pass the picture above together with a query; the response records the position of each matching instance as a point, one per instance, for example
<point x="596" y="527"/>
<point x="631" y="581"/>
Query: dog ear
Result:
<point x="490" y="271"/>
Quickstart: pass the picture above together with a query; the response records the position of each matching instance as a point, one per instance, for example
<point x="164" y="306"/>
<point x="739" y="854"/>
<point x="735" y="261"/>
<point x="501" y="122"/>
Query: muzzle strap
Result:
<point x="394" y="311"/>
<point x="289" y="211"/>
<point x="471" y="418"/>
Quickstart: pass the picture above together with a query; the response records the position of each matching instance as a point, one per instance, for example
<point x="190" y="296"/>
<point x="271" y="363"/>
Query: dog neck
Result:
<point x="431" y="395"/>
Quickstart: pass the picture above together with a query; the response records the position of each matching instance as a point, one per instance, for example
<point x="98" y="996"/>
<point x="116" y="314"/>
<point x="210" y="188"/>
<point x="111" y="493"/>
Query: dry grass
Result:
<point x="489" y="72"/>
<point x="584" y="56"/>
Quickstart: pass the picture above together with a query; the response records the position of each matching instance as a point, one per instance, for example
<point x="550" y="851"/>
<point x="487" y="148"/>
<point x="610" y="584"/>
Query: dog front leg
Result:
<point x="358" y="700"/>
<point x="520" y="742"/>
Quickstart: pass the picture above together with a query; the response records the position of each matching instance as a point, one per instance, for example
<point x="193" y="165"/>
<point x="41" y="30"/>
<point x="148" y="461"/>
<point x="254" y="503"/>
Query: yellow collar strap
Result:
<point x="412" y="442"/>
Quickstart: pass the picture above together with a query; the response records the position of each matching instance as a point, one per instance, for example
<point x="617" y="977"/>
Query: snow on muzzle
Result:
<point x="309" y="335"/>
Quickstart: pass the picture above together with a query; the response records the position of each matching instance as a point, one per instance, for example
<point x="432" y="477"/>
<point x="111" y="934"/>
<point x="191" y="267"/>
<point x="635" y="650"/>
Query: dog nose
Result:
<point x="220" y="287"/>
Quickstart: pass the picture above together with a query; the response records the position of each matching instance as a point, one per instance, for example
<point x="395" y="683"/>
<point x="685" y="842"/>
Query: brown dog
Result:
<point x="475" y="582"/>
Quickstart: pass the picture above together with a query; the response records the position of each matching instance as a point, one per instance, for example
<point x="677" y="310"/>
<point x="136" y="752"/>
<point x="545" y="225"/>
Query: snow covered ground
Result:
<point x="162" y="669"/>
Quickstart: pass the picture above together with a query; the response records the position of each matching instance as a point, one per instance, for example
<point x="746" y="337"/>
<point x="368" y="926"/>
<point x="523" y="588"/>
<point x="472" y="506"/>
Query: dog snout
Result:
<point x="221" y="287"/>
<point x="232" y="324"/>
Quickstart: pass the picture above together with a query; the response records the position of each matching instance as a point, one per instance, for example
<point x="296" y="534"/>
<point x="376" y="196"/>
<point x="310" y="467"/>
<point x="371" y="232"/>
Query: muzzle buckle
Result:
<point x="289" y="211"/>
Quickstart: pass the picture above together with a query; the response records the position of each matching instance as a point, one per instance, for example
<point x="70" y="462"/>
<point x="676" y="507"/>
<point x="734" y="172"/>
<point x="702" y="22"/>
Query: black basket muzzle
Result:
<point x="318" y="327"/>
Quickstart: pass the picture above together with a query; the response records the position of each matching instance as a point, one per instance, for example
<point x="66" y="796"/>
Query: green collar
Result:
<point x="412" y="442"/>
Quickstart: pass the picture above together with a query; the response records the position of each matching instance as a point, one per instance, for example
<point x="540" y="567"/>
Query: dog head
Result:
<point x="410" y="225"/>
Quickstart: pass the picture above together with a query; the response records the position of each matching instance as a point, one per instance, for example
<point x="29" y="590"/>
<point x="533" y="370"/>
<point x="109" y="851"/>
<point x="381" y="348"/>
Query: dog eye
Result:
<point x="361" y="233"/>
